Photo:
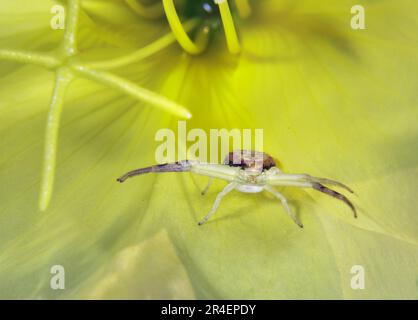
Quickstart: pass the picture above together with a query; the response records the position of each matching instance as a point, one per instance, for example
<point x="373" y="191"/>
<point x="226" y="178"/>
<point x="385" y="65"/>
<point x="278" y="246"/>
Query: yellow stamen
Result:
<point x="133" y="90"/>
<point x="243" y="7"/>
<point x="180" y="33"/>
<point x="151" y="11"/>
<point x="63" y="78"/>
<point x="142" y="53"/>
<point x="230" y="32"/>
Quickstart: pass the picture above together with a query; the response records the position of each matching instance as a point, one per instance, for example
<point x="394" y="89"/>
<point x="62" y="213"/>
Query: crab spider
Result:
<point x="249" y="172"/>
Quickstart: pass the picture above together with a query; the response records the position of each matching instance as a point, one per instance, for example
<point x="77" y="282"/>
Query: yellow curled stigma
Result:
<point x="244" y="8"/>
<point x="229" y="28"/>
<point x="153" y="11"/>
<point x="190" y="46"/>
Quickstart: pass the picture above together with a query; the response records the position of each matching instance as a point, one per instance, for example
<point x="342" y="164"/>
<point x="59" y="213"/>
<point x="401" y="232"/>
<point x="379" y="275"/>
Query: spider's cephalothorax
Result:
<point x="249" y="172"/>
<point x="250" y="160"/>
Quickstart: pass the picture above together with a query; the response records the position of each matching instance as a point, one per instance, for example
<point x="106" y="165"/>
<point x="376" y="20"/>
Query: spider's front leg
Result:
<point x="179" y="166"/>
<point x="212" y="171"/>
<point x="309" y="178"/>
<point x="209" y="170"/>
<point x="307" y="181"/>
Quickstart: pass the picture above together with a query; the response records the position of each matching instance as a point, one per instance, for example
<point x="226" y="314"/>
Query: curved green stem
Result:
<point x="133" y="90"/>
<point x="230" y="32"/>
<point x="151" y="11"/>
<point x="190" y="46"/>
<point x="63" y="78"/>
<point x="43" y="60"/>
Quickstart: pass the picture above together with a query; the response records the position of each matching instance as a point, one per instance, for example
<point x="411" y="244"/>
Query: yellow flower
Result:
<point x="332" y="101"/>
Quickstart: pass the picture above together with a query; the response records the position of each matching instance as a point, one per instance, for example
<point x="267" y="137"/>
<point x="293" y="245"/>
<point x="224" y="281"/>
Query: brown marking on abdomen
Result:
<point x="249" y="160"/>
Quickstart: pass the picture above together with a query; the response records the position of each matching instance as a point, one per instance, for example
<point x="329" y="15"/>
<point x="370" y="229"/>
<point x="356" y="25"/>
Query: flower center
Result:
<point x="205" y="11"/>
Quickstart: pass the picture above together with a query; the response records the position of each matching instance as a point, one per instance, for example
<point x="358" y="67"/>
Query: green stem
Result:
<point x="70" y="36"/>
<point x="29" y="57"/>
<point x="63" y="78"/>
<point x="133" y="90"/>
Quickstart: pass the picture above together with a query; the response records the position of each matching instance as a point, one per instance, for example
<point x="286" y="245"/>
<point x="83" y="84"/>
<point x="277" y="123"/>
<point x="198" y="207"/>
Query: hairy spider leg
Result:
<point x="231" y="186"/>
<point x="299" y="181"/>
<point x="181" y="166"/>
<point x="283" y="200"/>
<point x="330" y="182"/>
<point x="335" y="194"/>
<point x="205" y="169"/>
<point x="207" y="186"/>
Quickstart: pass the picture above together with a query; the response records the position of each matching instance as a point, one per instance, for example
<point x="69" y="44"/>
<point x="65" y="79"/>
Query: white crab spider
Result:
<point x="248" y="172"/>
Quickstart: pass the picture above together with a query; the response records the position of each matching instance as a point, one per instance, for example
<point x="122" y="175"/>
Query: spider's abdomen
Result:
<point x="249" y="188"/>
<point x="250" y="160"/>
